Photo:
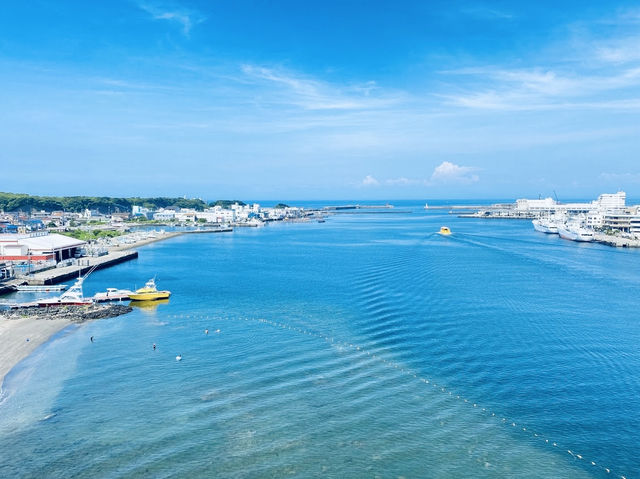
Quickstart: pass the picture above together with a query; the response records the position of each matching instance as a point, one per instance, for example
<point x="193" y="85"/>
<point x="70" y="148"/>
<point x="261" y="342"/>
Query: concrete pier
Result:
<point x="58" y="275"/>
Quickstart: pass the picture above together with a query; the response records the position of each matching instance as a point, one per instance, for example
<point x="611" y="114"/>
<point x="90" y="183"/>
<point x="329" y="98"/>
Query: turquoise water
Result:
<point x="364" y="346"/>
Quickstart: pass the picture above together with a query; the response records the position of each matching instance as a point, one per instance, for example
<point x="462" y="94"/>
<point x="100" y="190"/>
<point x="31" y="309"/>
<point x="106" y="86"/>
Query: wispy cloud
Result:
<point x="312" y="94"/>
<point x="537" y="89"/>
<point x="174" y="13"/>
<point x="447" y="172"/>
<point x="594" y="69"/>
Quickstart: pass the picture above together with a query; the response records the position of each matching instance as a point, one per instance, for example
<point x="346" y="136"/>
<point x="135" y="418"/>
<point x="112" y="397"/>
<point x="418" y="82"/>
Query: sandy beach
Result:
<point x="14" y="333"/>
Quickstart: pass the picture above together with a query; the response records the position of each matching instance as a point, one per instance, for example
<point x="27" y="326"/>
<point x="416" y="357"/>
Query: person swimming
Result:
<point x="154" y="346"/>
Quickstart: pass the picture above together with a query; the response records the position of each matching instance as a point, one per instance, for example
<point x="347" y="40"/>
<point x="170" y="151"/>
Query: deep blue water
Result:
<point x="364" y="346"/>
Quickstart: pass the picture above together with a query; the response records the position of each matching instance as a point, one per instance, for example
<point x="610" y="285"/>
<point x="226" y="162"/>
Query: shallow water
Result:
<point x="364" y="346"/>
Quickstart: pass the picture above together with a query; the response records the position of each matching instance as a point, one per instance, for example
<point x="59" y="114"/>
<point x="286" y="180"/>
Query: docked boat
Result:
<point x="545" y="225"/>
<point x="40" y="288"/>
<point x="74" y="296"/>
<point x="149" y="292"/>
<point x="444" y="230"/>
<point x="576" y="233"/>
<point x="112" y="294"/>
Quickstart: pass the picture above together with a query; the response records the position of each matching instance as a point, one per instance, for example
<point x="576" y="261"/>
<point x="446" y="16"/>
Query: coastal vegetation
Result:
<point x="104" y="204"/>
<point x="19" y="202"/>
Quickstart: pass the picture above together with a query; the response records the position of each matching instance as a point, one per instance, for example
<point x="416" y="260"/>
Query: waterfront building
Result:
<point x="540" y="206"/>
<point x="186" y="214"/>
<point x="137" y="210"/>
<point x="41" y="246"/>
<point x="611" y="201"/>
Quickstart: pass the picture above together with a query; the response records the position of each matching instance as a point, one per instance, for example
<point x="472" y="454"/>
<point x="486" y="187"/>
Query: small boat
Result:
<point x="112" y="294"/>
<point x="149" y="292"/>
<point x="41" y="288"/>
<point x="444" y="230"/>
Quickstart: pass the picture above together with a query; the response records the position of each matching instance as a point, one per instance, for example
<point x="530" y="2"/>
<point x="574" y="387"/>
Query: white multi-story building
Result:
<point x="536" y="206"/>
<point x="164" y="215"/>
<point x="186" y="214"/>
<point x="611" y="201"/>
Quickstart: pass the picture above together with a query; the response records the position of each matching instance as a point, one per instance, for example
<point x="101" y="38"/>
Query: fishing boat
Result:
<point x="149" y="292"/>
<point x="74" y="296"/>
<point x="112" y="294"/>
<point x="444" y="230"/>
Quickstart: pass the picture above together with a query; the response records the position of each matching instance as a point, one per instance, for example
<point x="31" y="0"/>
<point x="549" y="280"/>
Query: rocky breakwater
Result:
<point x="77" y="314"/>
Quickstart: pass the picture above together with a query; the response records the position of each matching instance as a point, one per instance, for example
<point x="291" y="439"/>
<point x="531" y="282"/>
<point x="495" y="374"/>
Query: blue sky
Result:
<point x="320" y="99"/>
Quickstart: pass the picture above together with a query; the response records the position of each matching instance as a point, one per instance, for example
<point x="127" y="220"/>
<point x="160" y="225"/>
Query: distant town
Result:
<point x="45" y="246"/>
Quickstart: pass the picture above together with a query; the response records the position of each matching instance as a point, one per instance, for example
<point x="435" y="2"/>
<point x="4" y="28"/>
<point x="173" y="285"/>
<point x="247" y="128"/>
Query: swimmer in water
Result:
<point x="91" y="338"/>
<point x="206" y="331"/>
<point x="154" y="346"/>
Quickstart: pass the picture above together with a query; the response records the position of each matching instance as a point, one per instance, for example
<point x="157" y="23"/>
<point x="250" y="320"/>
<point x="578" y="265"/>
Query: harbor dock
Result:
<point x="56" y="275"/>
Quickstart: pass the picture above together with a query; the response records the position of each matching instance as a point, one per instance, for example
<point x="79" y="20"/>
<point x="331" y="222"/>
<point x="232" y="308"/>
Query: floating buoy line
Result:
<point x="427" y="381"/>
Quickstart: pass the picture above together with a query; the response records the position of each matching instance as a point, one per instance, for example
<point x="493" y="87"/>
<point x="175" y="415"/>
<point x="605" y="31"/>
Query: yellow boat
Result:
<point x="149" y="292"/>
<point x="444" y="230"/>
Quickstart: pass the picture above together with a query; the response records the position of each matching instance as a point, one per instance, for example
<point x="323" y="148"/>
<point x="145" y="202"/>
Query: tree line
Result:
<point x="15" y="202"/>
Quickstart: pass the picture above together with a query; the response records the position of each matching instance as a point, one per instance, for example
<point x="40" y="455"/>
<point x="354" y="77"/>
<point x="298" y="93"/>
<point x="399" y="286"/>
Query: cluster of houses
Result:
<point x="235" y="214"/>
<point x="42" y="220"/>
<point x="31" y="241"/>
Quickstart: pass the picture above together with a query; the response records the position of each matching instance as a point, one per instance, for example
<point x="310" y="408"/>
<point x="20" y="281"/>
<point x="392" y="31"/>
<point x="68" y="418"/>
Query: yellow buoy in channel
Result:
<point x="444" y="230"/>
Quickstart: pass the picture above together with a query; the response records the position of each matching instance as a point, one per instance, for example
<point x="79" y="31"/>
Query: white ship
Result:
<point x="575" y="232"/>
<point x="545" y="225"/>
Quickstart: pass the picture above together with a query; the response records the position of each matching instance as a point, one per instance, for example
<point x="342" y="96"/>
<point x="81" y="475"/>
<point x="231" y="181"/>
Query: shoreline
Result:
<point x="23" y="330"/>
<point x="14" y="333"/>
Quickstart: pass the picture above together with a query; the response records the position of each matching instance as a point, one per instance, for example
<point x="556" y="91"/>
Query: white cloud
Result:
<point x="187" y="19"/>
<point x="448" y="172"/>
<point x="370" y="181"/>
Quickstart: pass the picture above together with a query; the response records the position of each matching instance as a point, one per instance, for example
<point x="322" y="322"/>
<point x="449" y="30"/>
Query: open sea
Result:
<point x="366" y="346"/>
